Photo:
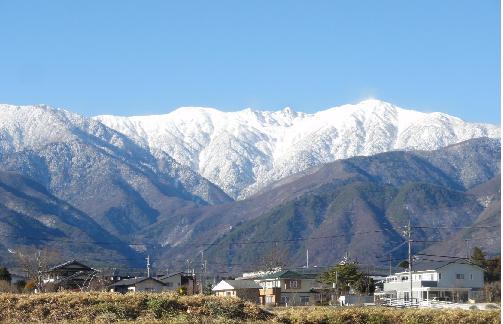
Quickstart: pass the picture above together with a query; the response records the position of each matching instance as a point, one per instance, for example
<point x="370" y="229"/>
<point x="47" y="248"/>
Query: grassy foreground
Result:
<point x="138" y="307"/>
<point x="384" y="315"/>
<point x="170" y="308"/>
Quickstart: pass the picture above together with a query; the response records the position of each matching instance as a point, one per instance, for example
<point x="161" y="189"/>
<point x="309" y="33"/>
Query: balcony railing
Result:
<point x="415" y="283"/>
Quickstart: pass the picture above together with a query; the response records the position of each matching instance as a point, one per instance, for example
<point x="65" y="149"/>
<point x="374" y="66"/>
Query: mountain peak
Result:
<point x="373" y="102"/>
<point x="244" y="151"/>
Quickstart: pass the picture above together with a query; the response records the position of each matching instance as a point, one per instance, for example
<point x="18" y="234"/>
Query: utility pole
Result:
<point x="188" y="266"/>
<point x="307" y="258"/>
<point x="148" y="265"/>
<point x="203" y="272"/>
<point x="467" y="242"/>
<point x="409" y="234"/>
<point x="389" y="263"/>
<point x="334" y="286"/>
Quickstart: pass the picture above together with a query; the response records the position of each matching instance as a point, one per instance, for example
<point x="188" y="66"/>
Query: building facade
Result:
<point x="71" y="275"/>
<point x="180" y="282"/>
<point x="244" y="289"/>
<point x="146" y="284"/>
<point x="453" y="281"/>
<point x="288" y="288"/>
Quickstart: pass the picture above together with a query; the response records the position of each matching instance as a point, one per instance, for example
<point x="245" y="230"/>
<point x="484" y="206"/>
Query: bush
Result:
<point x="161" y="308"/>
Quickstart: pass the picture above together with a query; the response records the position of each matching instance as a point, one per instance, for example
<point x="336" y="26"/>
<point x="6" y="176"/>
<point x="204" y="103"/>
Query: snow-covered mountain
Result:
<point x="30" y="130"/>
<point x="244" y="151"/>
<point x="97" y="169"/>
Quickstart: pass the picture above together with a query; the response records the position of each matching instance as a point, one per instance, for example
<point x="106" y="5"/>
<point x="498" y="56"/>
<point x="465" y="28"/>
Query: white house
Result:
<point x="454" y="281"/>
<point x="244" y="289"/>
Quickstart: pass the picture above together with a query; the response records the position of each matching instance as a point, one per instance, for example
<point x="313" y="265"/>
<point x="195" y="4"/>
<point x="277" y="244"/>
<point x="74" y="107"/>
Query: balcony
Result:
<point x="403" y="285"/>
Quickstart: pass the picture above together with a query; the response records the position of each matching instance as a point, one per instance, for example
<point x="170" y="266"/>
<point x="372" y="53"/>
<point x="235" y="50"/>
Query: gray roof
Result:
<point x="134" y="281"/>
<point x="284" y="274"/>
<point x="432" y="263"/>
<point x="67" y="263"/>
<point x="182" y="274"/>
<point x="243" y="284"/>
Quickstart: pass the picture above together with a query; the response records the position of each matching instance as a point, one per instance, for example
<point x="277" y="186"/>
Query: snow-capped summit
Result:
<point x="245" y="150"/>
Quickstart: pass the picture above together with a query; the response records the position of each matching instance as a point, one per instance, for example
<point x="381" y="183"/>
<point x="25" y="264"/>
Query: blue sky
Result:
<point x="145" y="57"/>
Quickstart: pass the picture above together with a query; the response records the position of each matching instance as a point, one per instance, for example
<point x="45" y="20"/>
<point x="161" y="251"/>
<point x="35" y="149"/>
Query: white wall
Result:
<point x="448" y="273"/>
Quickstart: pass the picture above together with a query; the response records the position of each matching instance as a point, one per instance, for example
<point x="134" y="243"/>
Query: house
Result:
<point x="71" y="275"/>
<point x="181" y="282"/>
<point x="139" y="284"/>
<point x="287" y="287"/>
<point x="244" y="289"/>
<point x="455" y="280"/>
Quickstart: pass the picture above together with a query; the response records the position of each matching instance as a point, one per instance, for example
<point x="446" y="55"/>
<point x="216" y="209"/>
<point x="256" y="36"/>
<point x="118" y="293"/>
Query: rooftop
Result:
<point x="236" y="284"/>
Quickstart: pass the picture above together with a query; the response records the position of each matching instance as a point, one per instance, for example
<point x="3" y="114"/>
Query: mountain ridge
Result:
<point x="246" y="150"/>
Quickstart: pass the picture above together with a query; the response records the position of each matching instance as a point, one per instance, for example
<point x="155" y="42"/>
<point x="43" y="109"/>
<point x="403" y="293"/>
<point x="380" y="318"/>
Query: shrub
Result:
<point x="164" y="307"/>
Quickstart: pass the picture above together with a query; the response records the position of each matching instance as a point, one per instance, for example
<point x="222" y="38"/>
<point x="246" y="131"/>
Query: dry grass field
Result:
<point x="169" y="308"/>
<point x="384" y="315"/>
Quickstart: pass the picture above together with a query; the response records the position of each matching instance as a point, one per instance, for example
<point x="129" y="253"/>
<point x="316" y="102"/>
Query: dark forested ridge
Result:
<point x="358" y="205"/>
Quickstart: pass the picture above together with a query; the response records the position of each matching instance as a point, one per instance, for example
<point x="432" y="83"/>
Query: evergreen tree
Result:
<point x="478" y="257"/>
<point x="5" y="274"/>
<point x="345" y="276"/>
<point x="404" y="264"/>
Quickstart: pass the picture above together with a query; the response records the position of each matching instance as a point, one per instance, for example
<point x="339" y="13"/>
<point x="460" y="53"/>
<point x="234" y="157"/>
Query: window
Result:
<point x="228" y="293"/>
<point x="471" y="276"/>
<point x="268" y="299"/>
<point x="284" y="300"/>
<point x="419" y="277"/>
<point x="293" y="284"/>
<point x="460" y="276"/>
<point x="304" y="300"/>
<point x="439" y="276"/>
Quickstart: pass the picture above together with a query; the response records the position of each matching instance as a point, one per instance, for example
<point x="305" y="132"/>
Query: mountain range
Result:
<point x="199" y="179"/>
<point x="244" y="151"/>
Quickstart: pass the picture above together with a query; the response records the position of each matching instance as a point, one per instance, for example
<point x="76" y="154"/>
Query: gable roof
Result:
<point x="236" y="284"/>
<point x="134" y="281"/>
<point x="284" y="274"/>
<point x="71" y="262"/>
<point x="181" y="274"/>
<point x="437" y="263"/>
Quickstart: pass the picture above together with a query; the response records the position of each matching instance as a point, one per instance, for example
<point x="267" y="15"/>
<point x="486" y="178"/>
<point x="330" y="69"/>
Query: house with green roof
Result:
<point x="287" y="287"/>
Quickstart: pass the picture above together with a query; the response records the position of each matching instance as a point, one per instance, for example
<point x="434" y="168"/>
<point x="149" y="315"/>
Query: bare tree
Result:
<point x="273" y="259"/>
<point x="35" y="262"/>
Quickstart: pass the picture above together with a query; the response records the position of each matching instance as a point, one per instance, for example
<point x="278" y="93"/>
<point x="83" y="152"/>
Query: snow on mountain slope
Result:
<point x="33" y="136"/>
<point x="245" y="150"/>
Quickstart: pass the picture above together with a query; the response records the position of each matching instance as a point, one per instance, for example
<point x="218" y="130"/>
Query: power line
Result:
<point x="452" y="227"/>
